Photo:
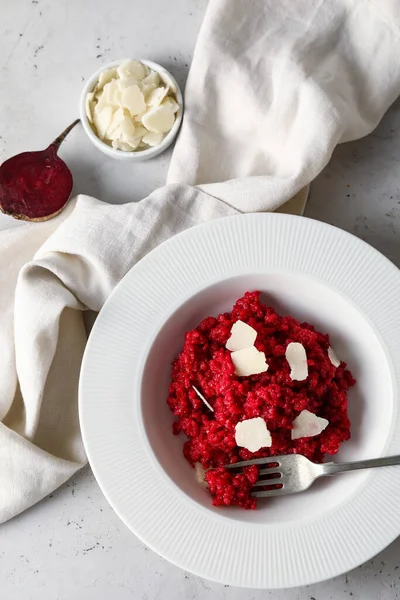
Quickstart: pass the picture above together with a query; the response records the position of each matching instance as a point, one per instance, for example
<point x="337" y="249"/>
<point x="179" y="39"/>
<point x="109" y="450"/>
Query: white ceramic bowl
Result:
<point x="137" y="155"/>
<point x="307" y="269"/>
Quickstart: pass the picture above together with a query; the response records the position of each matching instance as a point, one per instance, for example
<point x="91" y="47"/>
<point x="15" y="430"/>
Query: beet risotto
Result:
<point x="276" y="377"/>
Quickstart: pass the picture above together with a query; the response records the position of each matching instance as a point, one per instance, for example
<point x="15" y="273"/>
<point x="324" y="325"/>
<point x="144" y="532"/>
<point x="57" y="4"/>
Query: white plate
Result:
<point x="312" y="271"/>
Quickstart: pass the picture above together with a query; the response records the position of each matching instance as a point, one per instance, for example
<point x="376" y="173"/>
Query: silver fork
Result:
<point x="294" y="473"/>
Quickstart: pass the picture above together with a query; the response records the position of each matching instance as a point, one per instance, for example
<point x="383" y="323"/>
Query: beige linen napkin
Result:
<point x="274" y="86"/>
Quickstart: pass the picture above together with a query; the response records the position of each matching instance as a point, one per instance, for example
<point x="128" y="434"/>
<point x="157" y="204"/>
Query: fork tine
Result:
<point x="269" y="493"/>
<point x="255" y="461"/>
<point x="270" y="471"/>
<point x="270" y="481"/>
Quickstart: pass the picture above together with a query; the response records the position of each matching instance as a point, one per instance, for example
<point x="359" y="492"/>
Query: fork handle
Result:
<point x="332" y="468"/>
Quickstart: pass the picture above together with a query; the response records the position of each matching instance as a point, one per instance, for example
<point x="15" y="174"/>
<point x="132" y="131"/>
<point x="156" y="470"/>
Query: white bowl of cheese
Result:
<point x="131" y="109"/>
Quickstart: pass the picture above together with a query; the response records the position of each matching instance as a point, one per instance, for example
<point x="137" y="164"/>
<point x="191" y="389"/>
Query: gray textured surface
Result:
<point x="72" y="545"/>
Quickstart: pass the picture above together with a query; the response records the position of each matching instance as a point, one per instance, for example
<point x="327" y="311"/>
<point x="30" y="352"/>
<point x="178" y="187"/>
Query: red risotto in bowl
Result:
<point x="293" y="402"/>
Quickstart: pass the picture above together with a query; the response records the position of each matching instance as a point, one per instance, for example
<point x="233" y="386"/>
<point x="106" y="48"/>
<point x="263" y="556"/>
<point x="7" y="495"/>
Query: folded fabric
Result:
<point x="274" y="86"/>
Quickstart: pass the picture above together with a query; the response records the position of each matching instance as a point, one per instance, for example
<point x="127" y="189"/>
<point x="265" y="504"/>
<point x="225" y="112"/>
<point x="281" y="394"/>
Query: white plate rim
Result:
<point x="103" y="466"/>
